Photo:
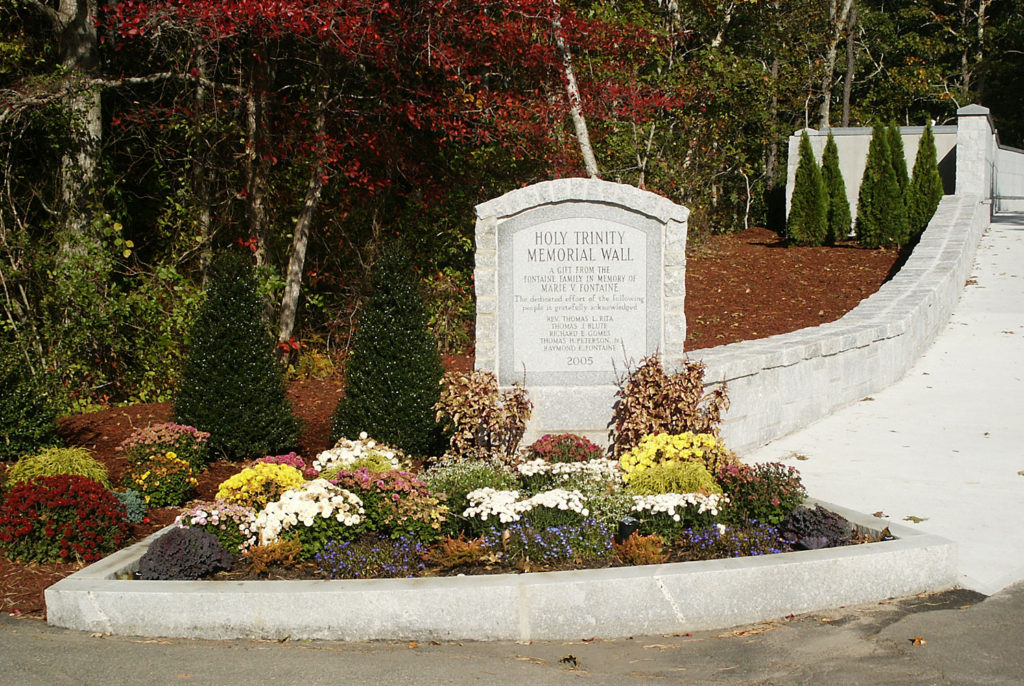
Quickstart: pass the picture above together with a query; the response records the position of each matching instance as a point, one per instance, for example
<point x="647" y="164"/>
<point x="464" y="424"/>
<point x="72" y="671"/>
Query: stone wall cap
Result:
<point x="580" y="189"/>
<point x="972" y="110"/>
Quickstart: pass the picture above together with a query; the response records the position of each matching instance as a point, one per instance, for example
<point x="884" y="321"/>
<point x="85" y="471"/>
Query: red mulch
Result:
<point x="739" y="287"/>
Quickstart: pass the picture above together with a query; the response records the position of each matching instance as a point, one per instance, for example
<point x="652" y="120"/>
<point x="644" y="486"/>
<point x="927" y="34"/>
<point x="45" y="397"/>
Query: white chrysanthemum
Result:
<point x="556" y="499"/>
<point x="347" y="452"/>
<point x="488" y="502"/>
<point x="668" y="503"/>
<point x="315" y="498"/>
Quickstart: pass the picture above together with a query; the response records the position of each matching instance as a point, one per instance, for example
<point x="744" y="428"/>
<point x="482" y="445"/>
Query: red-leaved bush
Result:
<point x="65" y="518"/>
<point x="564" y="448"/>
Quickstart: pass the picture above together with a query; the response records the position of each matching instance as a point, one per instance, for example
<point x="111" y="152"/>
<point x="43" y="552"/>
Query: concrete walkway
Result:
<point x="942" y="449"/>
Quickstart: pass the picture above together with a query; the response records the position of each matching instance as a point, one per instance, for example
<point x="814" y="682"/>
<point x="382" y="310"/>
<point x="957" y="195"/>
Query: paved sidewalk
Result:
<point x="943" y="447"/>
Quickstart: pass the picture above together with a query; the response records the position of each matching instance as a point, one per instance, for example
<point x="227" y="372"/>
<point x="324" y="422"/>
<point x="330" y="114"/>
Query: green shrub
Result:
<point x="29" y="405"/>
<point x="881" y="211"/>
<point x="184" y="554"/>
<point x="808" y="214"/>
<point x="134" y="505"/>
<point x="651" y="401"/>
<point x="186" y="442"/>
<point x="393" y="373"/>
<point x="65" y="518"/>
<point x="482" y="421"/>
<point x="162" y="480"/>
<point x="673" y="477"/>
<point x="231" y="386"/>
<point x="54" y="461"/>
<point x="766" y="493"/>
<point x="925" y="190"/>
<point x="563" y="448"/>
<point x="839" y="219"/>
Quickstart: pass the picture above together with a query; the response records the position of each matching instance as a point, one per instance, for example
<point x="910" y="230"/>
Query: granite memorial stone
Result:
<point x="576" y="279"/>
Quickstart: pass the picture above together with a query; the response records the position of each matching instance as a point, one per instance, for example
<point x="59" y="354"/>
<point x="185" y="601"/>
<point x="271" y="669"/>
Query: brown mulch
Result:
<point x="739" y="287"/>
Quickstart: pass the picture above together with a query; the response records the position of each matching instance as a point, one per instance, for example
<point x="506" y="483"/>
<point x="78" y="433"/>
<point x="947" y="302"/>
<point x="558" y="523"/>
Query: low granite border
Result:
<point x="600" y="603"/>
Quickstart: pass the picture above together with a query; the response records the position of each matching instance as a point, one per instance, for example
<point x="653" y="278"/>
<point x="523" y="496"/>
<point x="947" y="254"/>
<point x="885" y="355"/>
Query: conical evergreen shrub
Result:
<point x="393" y="373"/>
<point x="898" y="156"/>
<point x="881" y="213"/>
<point x="839" y="219"/>
<point x="808" y="214"/>
<point x="231" y="385"/>
<point x="29" y="405"/>
<point x="925" y="189"/>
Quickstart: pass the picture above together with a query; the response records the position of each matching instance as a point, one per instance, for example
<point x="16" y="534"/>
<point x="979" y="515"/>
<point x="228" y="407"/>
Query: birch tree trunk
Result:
<point x="851" y="62"/>
<point x="300" y="234"/>
<point x="836" y="21"/>
<point x="573" y="94"/>
<point x="256" y="165"/>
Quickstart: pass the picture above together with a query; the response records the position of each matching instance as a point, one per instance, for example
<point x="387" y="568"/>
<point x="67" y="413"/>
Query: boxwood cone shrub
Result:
<point x="808" y="215"/>
<point x="231" y="386"/>
<point x="881" y="212"/>
<point x="393" y="373"/>
<point x="29" y="405"/>
<point x="925" y="190"/>
<point x="839" y="219"/>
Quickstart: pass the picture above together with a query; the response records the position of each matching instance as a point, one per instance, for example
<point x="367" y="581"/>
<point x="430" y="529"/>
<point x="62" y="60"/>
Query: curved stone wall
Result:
<point x="783" y="383"/>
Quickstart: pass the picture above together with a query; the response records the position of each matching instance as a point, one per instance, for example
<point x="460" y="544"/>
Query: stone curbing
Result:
<point x="785" y="382"/>
<point x="601" y="603"/>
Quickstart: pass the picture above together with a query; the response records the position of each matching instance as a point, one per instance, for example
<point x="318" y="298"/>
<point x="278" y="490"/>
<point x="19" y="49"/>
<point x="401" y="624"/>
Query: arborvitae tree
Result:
<point x="808" y="214"/>
<point x="881" y="213"/>
<point x="925" y="189"/>
<point x="231" y="384"/>
<point x="838" y="206"/>
<point x="898" y="156"/>
<point x="393" y="373"/>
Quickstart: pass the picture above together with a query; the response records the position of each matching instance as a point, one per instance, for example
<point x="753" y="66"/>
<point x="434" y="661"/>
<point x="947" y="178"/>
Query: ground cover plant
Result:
<point x="721" y="307"/>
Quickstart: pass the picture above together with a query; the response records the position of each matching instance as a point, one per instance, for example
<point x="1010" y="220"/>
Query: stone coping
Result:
<point x="601" y="603"/>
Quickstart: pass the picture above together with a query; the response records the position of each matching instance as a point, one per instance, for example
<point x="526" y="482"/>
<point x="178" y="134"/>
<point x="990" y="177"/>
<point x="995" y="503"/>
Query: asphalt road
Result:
<point x="962" y="638"/>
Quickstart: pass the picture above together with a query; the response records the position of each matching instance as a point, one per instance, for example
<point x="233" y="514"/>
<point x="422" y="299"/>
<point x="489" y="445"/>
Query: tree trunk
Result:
<point x="75" y="23"/>
<point x="836" y="21"/>
<point x="773" y="146"/>
<point x="573" y="95"/>
<point x="851" y="62"/>
<point x="256" y="163"/>
<point x="201" y="179"/>
<point x="300" y="234"/>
